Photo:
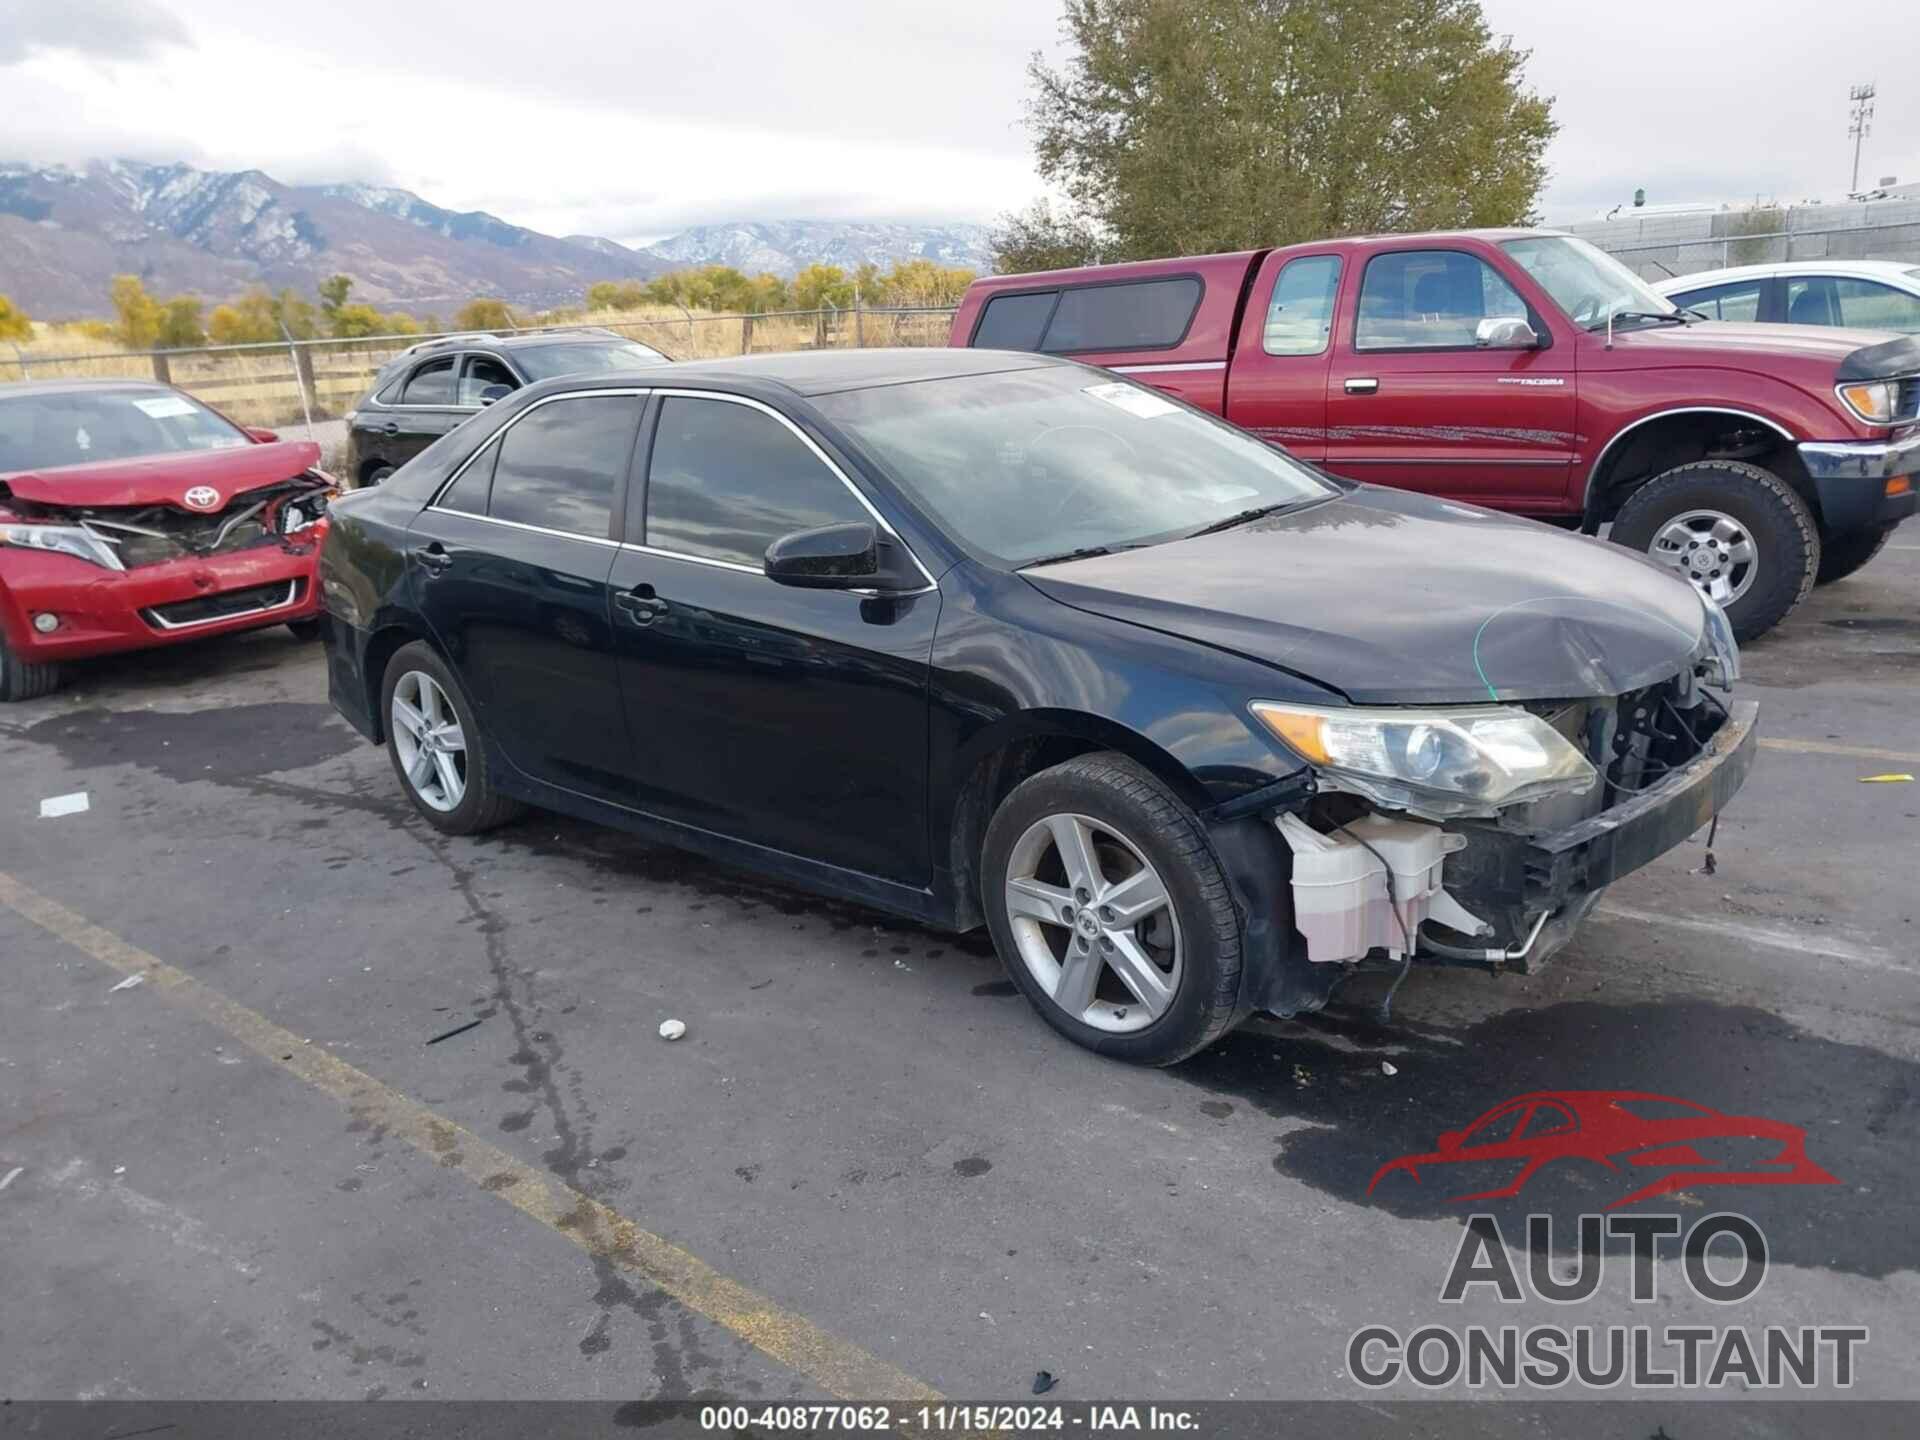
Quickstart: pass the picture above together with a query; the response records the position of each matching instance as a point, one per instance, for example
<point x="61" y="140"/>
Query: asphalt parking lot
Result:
<point x="867" y="1167"/>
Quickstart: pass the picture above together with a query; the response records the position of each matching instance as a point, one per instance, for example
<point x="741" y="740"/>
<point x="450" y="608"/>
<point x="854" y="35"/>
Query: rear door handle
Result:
<point x="640" y="604"/>
<point x="433" y="558"/>
<point x="1362" y="385"/>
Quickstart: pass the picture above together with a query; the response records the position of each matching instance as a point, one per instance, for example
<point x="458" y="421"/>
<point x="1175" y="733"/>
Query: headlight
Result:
<point x="1726" y="650"/>
<point x="67" y="539"/>
<point x="1873" y="401"/>
<point x="1471" y="760"/>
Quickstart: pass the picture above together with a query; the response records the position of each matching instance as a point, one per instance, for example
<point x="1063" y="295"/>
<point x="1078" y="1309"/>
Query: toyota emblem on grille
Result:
<point x="203" y="497"/>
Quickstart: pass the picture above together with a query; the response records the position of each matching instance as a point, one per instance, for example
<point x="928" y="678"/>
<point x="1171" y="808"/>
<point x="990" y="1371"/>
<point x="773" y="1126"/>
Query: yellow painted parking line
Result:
<point x="837" y="1366"/>
<point x="1850" y="752"/>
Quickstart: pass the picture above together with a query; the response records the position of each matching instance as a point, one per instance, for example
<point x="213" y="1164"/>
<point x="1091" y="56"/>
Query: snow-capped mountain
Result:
<point x="787" y="246"/>
<point x="64" y="234"/>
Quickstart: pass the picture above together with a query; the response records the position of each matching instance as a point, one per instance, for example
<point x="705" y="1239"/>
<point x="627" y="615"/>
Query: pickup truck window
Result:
<point x="1141" y="315"/>
<point x="1300" y="319"/>
<point x="1737" y="300"/>
<point x="1014" y="322"/>
<point x="1584" y="280"/>
<point x="1430" y="300"/>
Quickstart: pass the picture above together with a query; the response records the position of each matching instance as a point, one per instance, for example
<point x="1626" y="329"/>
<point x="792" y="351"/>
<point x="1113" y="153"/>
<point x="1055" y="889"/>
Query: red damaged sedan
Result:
<point x="131" y="515"/>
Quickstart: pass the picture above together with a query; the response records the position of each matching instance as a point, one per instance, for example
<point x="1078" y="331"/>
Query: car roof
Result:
<point x="1894" y="270"/>
<point x="16" y="389"/>
<point x="825" y="372"/>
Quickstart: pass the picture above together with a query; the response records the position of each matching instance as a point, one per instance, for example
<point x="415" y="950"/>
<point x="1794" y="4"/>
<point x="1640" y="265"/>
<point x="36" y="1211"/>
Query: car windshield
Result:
<point x="86" y="427"/>
<point x="1031" y="464"/>
<point x="1584" y="280"/>
<point x="543" y="362"/>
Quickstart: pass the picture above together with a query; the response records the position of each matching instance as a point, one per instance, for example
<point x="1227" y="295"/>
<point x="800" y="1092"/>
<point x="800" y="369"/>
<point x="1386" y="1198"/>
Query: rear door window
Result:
<point x="560" y="466"/>
<point x="1430" y="300"/>
<point x="1869" y="305"/>
<point x="728" y="480"/>
<point x="1300" y="319"/>
<point x="1014" y="322"/>
<point x="431" y="384"/>
<point x="1738" y="300"/>
<point x="1144" y="315"/>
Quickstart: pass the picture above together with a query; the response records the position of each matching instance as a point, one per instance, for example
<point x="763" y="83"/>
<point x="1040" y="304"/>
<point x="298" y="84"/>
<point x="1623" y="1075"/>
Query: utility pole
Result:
<point x="1860" y="99"/>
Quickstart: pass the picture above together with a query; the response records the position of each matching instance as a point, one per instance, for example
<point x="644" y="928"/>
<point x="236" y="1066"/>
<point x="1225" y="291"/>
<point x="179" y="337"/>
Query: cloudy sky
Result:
<point x="634" y="118"/>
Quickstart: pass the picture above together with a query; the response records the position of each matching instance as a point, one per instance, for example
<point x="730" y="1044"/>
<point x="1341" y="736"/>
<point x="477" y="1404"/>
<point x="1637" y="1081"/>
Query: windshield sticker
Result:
<point x="1133" y="400"/>
<point x="162" y="407"/>
<point x="82" y="440"/>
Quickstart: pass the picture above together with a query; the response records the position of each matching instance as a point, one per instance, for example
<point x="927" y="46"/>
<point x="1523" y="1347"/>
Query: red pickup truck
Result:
<point x="1521" y="370"/>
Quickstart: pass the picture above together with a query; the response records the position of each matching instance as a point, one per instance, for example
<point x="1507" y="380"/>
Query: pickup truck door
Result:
<point x="1414" y="402"/>
<point x="1277" y="388"/>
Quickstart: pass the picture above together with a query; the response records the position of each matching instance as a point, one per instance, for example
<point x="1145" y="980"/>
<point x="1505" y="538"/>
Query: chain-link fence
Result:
<point x="1660" y="246"/>
<point x="284" y="382"/>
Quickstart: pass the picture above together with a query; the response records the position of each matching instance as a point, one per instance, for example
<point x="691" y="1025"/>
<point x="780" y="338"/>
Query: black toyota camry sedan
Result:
<point x="985" y="638"/>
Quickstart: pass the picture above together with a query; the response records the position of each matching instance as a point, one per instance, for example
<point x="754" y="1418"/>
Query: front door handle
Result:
<point x="640" y="604"/>
<point x="433" y="558"/>
<point x="1362" y="385"/>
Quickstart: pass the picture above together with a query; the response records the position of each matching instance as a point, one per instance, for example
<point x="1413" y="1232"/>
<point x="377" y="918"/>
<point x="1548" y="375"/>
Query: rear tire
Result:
<point x="1089" y="975"/>
<point x="456" y="797"/>
<point x="20" y="680"/>
<point x="1842" y="554"/>
<point x="375" y="475"/>
<point x="1755" y="509"/>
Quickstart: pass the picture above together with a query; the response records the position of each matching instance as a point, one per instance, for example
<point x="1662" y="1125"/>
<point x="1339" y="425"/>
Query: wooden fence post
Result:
<point x="746" y="334"/>
<point x="162" y="371"/>
<point x="820" y="329"/>
<point x="303" y="372"/>
<point x="859" y="321"/>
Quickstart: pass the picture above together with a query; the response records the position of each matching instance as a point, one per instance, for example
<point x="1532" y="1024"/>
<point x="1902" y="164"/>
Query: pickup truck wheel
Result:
<point x="22" y="681"/>
<point x="1739" y="533"/>
<point x="1841" y="555"/>
<point x="1111" y="912"/>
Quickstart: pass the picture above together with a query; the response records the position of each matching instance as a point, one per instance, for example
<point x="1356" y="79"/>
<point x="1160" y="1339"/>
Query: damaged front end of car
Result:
<point x="1483" y="834"/>
<point x="127" y="537"/>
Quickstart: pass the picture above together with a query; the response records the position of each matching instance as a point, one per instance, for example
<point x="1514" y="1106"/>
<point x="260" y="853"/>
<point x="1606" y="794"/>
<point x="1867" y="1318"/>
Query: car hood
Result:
<point x="166" y="479"/>
<point x="1733" y="340"/>
<point x="1394" y="598"/>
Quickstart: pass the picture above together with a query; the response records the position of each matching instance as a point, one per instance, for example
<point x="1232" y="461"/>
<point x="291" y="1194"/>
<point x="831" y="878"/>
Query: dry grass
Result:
<point x="259" y="387"/>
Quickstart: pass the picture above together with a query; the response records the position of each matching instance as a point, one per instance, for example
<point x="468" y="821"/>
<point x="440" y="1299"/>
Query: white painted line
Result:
<point x="1773" y="937"/>
<point x="58" y="805"/>
<point x="1829" y="747"/>
<point x="12" y="1175"/>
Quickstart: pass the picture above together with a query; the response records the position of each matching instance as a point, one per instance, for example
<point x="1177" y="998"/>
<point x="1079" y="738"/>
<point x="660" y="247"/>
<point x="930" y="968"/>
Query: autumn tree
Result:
<point x="136" y="313"/>
<point x="483" y="314"/>
<point x="179" y="324"/>
<point x="246" y="321"/>
<point x="14" y="324"/>
<point x="1180" y="127"/>
<point x="333" y="294"/>
<point x="820" y="286"/>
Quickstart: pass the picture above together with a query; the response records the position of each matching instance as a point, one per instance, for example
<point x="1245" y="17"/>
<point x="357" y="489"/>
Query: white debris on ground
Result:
<point x="672" y="1029"/>
<point x="54" y="806"/>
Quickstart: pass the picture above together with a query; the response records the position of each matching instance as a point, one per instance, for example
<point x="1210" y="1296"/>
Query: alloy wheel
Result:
<point x="1093" y="923"/>
<point x="431" y="745"/>
<point x="1712" y="550"/>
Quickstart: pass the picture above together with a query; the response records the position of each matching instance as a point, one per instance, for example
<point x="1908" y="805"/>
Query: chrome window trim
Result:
<point x="1168" y="368"/>
<point x="818" y="454"/>
<point x="493" y="441"/>
<point x="151" y="614"/>
<point x="1623" y="431"/>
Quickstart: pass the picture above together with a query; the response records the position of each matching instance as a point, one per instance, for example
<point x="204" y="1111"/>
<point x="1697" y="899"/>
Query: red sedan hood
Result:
<point x="167" y="479"/>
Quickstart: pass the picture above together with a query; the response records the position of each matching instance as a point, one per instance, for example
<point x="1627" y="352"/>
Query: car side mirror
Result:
<point x="1450" y="1139"/>
<point x="261" y="434"/>
<point x="491" y="393"/>
<point x="836" y="557"/>
<point x="1508" y="332"/>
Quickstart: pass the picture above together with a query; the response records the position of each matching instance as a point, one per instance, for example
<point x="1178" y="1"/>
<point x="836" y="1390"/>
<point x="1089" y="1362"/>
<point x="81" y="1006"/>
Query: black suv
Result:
<point x="430" y="388"/>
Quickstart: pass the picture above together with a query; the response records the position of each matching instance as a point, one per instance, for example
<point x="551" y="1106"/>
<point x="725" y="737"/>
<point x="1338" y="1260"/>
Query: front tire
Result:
<point x="1740" y="534"/>
<point x="20" y="680"/>
<point x="1842" y="554"/>
<point x="1111" y="912"/>
<point x="436" y="747"/>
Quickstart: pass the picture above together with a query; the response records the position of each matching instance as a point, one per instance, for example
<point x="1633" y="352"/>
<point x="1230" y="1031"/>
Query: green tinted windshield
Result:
<point x="1033" y="463"/>
<point x="1583" y="279"/>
